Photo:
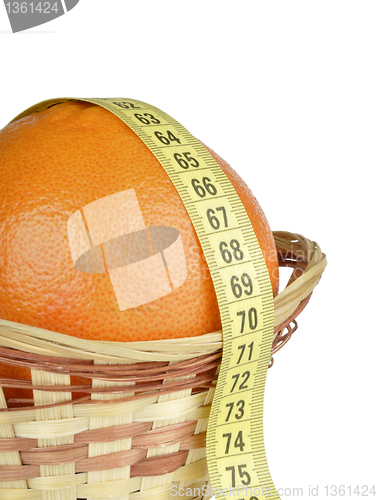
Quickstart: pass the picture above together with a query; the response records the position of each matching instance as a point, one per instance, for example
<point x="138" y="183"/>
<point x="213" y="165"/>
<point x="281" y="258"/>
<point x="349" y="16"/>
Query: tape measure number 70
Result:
<point x="234" y="446"/>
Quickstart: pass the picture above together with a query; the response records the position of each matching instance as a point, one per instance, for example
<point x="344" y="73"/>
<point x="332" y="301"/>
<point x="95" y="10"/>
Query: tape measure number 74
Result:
<point x="234" y="447"/>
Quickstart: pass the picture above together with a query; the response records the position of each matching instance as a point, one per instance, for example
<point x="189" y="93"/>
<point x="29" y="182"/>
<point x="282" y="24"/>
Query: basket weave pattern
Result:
<point x="137" y="424"/>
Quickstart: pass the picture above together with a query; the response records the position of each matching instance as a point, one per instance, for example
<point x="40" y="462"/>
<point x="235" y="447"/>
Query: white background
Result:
<point x="287" y="93"/>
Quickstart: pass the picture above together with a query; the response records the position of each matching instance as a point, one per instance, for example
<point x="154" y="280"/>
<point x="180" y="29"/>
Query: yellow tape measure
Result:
<point x="235" y="446"/>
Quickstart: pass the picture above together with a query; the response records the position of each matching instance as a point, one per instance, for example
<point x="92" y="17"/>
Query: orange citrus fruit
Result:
<point x="52" y="165"/>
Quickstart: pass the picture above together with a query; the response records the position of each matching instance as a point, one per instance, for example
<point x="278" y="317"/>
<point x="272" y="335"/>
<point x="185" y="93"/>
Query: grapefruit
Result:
<point x="56" y="166"/>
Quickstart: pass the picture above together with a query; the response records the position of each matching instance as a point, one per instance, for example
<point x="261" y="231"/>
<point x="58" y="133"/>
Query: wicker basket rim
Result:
<point x="293" y="250"/>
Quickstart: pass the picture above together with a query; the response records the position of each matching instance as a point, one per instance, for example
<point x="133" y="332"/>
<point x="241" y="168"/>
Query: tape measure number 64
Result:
<point x="234" y="445"/>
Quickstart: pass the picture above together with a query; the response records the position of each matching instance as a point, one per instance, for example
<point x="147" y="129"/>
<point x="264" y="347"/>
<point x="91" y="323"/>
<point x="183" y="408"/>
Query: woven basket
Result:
<point x="138" y="424"/>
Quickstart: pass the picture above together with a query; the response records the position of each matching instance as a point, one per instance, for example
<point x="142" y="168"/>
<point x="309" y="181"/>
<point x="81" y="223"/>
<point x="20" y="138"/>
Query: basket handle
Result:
<point x="308" y="263"/>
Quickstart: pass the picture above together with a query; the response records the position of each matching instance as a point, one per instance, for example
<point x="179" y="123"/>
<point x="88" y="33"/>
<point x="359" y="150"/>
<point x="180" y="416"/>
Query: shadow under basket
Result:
<point x="135" y="428"/>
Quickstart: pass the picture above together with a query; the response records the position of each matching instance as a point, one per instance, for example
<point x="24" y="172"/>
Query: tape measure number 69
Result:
<point x="234" y="445"/>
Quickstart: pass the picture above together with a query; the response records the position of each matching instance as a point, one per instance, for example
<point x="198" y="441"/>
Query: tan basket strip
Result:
<point x="108" y="473"/>
<point x="9" y="494"/>
<point x="57" y="429"/>
<point x="104" y="489"/>
<point x="154" y="481"/>
<point x="57" y="484"/>
<point x="176" y="409"/>
<point x="12" y="417"/>
<point x="26" y="427"/>
<point x="159" y="493"/>
<point x="63" y="412"/>
<point x="46" y="342"/>
<point x="9" y="457"/>
<point x="112" y="407"/>
<point x="187" y="472"/>
<point x="202" y="412"/>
